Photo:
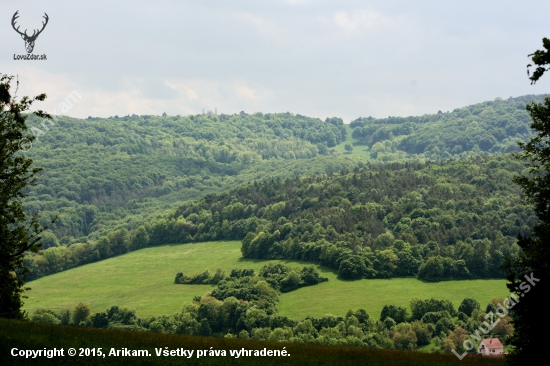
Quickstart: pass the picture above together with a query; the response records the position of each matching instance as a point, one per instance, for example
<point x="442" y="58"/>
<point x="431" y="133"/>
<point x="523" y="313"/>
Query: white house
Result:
<point x="490" y="347"/>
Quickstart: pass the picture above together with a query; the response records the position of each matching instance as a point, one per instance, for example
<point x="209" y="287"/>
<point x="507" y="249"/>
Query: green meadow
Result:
<point x="144" y="281"/>
<point x="359" y="149"/>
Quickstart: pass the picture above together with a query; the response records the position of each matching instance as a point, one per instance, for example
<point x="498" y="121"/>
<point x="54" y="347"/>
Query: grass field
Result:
<point x="358" y="149"/>
<point x="143" y="281"/>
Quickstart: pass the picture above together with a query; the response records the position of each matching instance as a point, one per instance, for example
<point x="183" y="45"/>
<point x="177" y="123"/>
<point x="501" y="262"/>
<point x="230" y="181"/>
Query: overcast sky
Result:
<point x="315" y="58"/>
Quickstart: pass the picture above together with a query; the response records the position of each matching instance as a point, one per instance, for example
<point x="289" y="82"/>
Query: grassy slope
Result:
<point x="143" y="281"/>
<point x="337" y="296"/>
<point x="358" y="149"/>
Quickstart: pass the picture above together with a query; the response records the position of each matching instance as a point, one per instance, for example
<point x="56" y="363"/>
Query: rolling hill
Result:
<point x="144" y="281"/>
<point x="105" y="174"/>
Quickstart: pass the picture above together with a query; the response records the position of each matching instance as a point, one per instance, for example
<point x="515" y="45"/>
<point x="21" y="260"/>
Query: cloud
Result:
<point x="267" y="28"/>
<point x="143" y="95"/>
<point x="247" y="92"/>
<point x="364" y="20"/>
<point x="156" y="89"/>
<point x="187" y="90"/>
<point x="320" y="58"/>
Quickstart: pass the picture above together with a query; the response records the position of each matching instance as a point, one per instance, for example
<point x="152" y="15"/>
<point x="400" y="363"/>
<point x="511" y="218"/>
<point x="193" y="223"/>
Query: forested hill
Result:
<point x="103" y="174"/>
<point x="449" y="221"/>
<point x="452" y="220"/>
<point x="478" y="129"/>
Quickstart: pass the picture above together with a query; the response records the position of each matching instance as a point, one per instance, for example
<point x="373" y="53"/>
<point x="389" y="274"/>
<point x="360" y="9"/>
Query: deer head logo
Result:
<point x="29" y="40"/>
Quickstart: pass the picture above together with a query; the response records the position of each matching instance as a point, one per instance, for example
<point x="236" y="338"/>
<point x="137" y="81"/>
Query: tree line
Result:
<point x="245" y="308"/>
<point x="281" y="277"/>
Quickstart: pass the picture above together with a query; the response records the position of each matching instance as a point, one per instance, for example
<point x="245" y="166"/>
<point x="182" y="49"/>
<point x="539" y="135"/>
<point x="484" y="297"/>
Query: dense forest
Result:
<point x="437" y="221"/>
<point x="480" y="129"/>
<point x="104" y="174"/>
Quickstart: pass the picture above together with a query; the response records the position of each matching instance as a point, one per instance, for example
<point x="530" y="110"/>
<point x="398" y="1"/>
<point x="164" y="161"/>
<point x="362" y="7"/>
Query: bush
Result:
<point x="468" y="305"/>
<point x="352" y="268"/>
<point x="81" y="313"/>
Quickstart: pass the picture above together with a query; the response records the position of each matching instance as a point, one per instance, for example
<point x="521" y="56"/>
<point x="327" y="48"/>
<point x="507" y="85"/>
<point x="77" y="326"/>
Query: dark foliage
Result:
<point x="18" y="232"/>
<point x="529" y="273"/>
<point x="203" y="278"/>
<point x="541" y="58"/>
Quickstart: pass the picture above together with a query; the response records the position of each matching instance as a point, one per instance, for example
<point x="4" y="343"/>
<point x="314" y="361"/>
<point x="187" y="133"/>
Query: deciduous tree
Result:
<point x="18" y="233"/>
<point x="529" y="272"/>
<point x="81" y="313"/>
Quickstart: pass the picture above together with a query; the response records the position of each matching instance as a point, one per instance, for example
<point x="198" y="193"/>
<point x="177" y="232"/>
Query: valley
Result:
<point x="285" y="182"/>
<point x="370" y="233"/>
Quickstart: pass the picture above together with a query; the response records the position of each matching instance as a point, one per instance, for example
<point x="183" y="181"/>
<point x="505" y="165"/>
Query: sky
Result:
<point x="321" y="58"/>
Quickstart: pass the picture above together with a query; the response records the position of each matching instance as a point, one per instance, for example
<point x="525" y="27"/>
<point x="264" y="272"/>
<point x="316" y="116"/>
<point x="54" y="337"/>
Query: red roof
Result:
<point x="492" y="343"/>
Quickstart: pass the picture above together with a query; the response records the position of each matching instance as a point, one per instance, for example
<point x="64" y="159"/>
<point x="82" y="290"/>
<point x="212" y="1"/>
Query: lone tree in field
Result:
<point x="18" y="233"/>
<point x="81" y="313"/>
<point x="529" y="273"/>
